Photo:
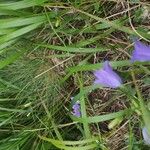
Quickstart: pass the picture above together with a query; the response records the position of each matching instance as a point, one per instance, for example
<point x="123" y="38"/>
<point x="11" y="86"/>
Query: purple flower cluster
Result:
<point x="76" y="109"/>
<point x="108" y="78"/>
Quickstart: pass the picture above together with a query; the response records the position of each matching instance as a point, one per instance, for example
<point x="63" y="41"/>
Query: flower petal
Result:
<point x="109" y="70"/>
<point x="76" y="109"/>
<point x="107" y="77"/>
<point x="76" y="106"/>
<point x="146" y="136"/>
<point x="141" y="47"/>
<point x="77" y="113"/>
<point x="141" y="52"/>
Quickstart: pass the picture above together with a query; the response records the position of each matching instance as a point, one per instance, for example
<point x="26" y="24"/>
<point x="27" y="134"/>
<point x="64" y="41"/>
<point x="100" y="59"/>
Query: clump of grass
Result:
<point x="48" y="51"/>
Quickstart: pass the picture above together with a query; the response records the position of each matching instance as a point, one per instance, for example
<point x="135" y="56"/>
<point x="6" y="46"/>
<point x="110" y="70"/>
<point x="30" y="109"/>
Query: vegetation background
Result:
<point x="48" y="51"/>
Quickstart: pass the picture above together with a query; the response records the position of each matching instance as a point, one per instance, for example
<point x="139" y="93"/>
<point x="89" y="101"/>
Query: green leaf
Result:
<point x="21" y="4"/>
<point x="18" y="32"/>
<point x="4" y="45"/>
<point x="101" y="118"/>
<point x="10" y="59"/>
<point x="16" y="22"/>
<point x="64" y="144"/>
<point x="86" y="141"/>
<point x="70" y="49"/>
<point x="91" y="67"/>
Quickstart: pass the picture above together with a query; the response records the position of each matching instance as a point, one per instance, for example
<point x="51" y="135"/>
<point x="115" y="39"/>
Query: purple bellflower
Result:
<point x="107" y="77"/>
<point x="141" y="52"/>
<point x="76" y="109"/>
<point x="146" y="136"/>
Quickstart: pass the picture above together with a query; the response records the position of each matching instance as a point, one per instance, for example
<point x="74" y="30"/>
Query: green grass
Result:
<point x="48" y="52"/>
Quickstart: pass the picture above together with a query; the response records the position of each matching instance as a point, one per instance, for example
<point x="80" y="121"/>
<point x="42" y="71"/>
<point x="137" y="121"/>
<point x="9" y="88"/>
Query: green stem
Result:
<point x="144" y="109"/>
<point x="83" y="112"/>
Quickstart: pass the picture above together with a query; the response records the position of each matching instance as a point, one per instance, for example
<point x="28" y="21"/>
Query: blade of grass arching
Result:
<point x="92" y="67"/>
<point x="73" y="49"/>
<point x="21" y="4"/>
<point x="86" y="141"/>
<point x="93" y="39"/>
<point x="13" y="12"/>
<point x="18" y="32"/>
<point x="114" y="25"/>
<point x="6" y="31"/>
<point x="114" y="64"/>
<point x="106" y="117"/>
<point x="10" y="59"/>
<point x="16" y="22"/>
<point x="83" y="111"/>
<point x="6" y="44"/>
<point x="62" y="144"/>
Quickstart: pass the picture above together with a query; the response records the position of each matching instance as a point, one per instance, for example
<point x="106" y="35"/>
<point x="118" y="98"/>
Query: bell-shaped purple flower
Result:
<point x="107" y="77"/>
<point x="141" y="52"/>
<point x="76" y="109"/>
<point x="146" y="136"/>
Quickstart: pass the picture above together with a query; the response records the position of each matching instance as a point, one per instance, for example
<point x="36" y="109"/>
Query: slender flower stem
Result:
<point x="133" y="99"/>
<point x="144" y="109"/>
<point x="83" y="111"/>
